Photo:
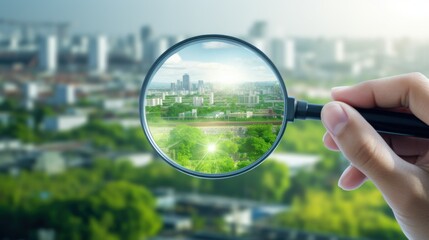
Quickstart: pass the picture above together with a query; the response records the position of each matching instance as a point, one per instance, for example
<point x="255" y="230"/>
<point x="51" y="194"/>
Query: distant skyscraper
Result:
<point x="201" y="87"/>
<point x="179" y="85"/>
<point x="197" y="101"/>
<point x="173" y="87"/>
<point x="248" y="99"/>
<point x="98" y="54"/>
<point x="186" y="82"/>
<point x="258" y="30"/>
<point x="262" y="44"/>
<point x="14" y="42"/>
<point x="282" y="52"/>
<point x="161" y="45"/>
<point x="147" y="45"/>
<point x="64" y="94"/>
<point x="48" y="53"/>
<point x="154" y="102"/>
<point x="290" y="54"/>
<point x="339" y="51"/>
<point x="30" y="90"/>
<point x="200" y="84"/>
<point x="30" y="93"/>
<point x="211" y="98"/>
<point x="136" y="47"/>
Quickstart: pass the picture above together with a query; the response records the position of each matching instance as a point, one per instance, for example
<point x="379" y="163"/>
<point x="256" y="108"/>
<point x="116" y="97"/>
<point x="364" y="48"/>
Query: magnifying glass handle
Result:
<point x="383" y="121"/>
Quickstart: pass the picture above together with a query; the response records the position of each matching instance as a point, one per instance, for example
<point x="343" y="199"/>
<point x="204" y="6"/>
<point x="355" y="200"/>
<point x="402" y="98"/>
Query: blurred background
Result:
<point x="75" y="164"/>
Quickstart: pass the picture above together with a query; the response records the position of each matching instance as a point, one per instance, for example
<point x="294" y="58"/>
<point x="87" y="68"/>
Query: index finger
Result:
<point x="409" y="90"/>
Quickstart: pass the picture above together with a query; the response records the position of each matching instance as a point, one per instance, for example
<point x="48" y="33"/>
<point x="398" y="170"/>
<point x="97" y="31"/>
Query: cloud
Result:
<point x="174" y="59"/>
<point x="215" y="45"/>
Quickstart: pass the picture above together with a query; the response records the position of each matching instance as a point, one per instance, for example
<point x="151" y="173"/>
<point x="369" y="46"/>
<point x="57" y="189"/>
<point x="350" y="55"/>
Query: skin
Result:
<point x="397" y="165"/>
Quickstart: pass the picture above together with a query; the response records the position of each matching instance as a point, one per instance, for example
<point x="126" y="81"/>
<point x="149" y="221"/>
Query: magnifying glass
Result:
<point x="215" y="106"/>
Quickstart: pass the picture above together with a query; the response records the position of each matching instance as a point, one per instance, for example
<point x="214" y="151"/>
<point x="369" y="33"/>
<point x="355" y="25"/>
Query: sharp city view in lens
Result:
<point x="214" y="107"/>
<point x="76" y="164"/>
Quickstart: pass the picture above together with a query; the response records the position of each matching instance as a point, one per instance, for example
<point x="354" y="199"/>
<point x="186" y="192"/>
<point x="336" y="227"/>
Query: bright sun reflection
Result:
<point x="211" y="148"/>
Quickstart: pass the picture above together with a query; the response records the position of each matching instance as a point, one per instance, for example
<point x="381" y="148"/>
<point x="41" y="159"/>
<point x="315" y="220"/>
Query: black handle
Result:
<point x="383" y="121"/>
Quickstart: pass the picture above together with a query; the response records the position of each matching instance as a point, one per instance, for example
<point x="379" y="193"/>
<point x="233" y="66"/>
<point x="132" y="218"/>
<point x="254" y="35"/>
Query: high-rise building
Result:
<point x="186" y="82"/>
<point x="179" y="85"/>
<point x="64" y="94"/>
<point x="48" y="53"/>
<point x="98" y="54"/>
<point x="259" y="29"/>
<point x="30" y="93"/>
<point x="282" y="52"/>
<point x="248" y="99"/>
<point x="178" y="99"/>
<point x="161" y="45"/>
<point x="30" y="90"/>
<point x="136" y="47"/>
<point x="197" y="101"/>
<point x="151" y="102"/>
<point x="200" y="84"/>
<point x="173" y="87"/>
<point x="211" y="98"/>
<point x="339" y="51"/>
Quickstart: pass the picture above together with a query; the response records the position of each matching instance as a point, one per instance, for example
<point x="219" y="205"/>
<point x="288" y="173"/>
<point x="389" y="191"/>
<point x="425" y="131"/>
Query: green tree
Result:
<point x="354" y="214"/>
<point x="118" y="210"/>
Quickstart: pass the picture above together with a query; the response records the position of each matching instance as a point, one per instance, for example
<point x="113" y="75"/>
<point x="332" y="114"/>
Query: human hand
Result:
<point x="397" y="165"/>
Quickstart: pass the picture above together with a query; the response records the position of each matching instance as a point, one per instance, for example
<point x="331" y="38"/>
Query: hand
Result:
<point x="398" y="165"/>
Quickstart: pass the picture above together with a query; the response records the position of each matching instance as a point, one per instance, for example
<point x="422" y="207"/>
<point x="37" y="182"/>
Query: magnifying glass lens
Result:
<point x="213" y="107"/>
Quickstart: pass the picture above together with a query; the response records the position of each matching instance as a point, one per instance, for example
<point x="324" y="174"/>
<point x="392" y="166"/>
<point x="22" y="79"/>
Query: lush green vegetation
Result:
<point x="110" y="200"/>
<point x="79" y="204"/>
<point x="217" y="153"/>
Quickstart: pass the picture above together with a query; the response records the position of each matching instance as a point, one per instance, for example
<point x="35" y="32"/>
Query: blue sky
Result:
<point x="345" y="18"/>
<point x="216" y="62"/>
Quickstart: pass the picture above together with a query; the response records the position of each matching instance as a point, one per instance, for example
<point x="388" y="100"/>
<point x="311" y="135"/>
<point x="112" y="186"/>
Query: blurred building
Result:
<point x="211" y="98"/>
<point x="161" y="45"/>
<point x="64" y="94"/>
<point x="48" y="53"/>
<point x="151" y="102"/>
<point x="98" y="54"/>
<point x="282" y="53"/>
<point x="62" y="123"/>
<point x="178" y="99"/>
<point x="248" y="99"/>
<point x="30" y="90"/>
<point x="50" y="162"/>
<point x="197" y="101"/>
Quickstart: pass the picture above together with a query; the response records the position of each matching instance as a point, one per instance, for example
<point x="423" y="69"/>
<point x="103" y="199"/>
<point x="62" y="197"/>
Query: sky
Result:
<point x="220" y="63"/>
<point x="302" y="18"/>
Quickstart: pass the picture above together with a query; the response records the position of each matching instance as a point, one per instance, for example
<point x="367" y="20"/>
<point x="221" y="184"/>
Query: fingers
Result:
<point x="364" y="148"/>
<point x="408" y="90"/>
<point x="329" y="142"/>
<point x="351" y="178"/>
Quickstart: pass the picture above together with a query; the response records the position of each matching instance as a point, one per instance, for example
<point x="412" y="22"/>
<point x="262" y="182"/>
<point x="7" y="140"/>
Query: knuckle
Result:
<point x="366" y="154"/>
<point x="417" y="79"/>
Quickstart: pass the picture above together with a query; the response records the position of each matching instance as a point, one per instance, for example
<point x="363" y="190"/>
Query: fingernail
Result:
<point x="339" y="88"/>
<point x="344" y="178"/>
<point x="334" y="118"/>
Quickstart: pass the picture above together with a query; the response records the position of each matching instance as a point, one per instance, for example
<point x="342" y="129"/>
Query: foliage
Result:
<point x="79" y="204"/>
<point x="356" y="214"/>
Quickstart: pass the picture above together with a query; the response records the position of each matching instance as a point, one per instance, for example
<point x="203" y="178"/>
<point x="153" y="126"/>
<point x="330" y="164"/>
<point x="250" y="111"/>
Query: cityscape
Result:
<point x="74" y="161"/>
<point x="227" y="111"/>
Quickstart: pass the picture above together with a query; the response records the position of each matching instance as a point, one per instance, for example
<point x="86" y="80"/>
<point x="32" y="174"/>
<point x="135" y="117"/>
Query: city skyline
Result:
<point x="297" y="18"/>
<point x="215" y="62"/>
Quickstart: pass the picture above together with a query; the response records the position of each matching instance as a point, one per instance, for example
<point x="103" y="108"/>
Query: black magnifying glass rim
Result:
<point x="176" y="48"/>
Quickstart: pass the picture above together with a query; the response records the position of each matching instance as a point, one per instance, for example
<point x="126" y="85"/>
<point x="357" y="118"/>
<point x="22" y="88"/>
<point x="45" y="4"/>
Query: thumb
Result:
<point x="364" y="147"/>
